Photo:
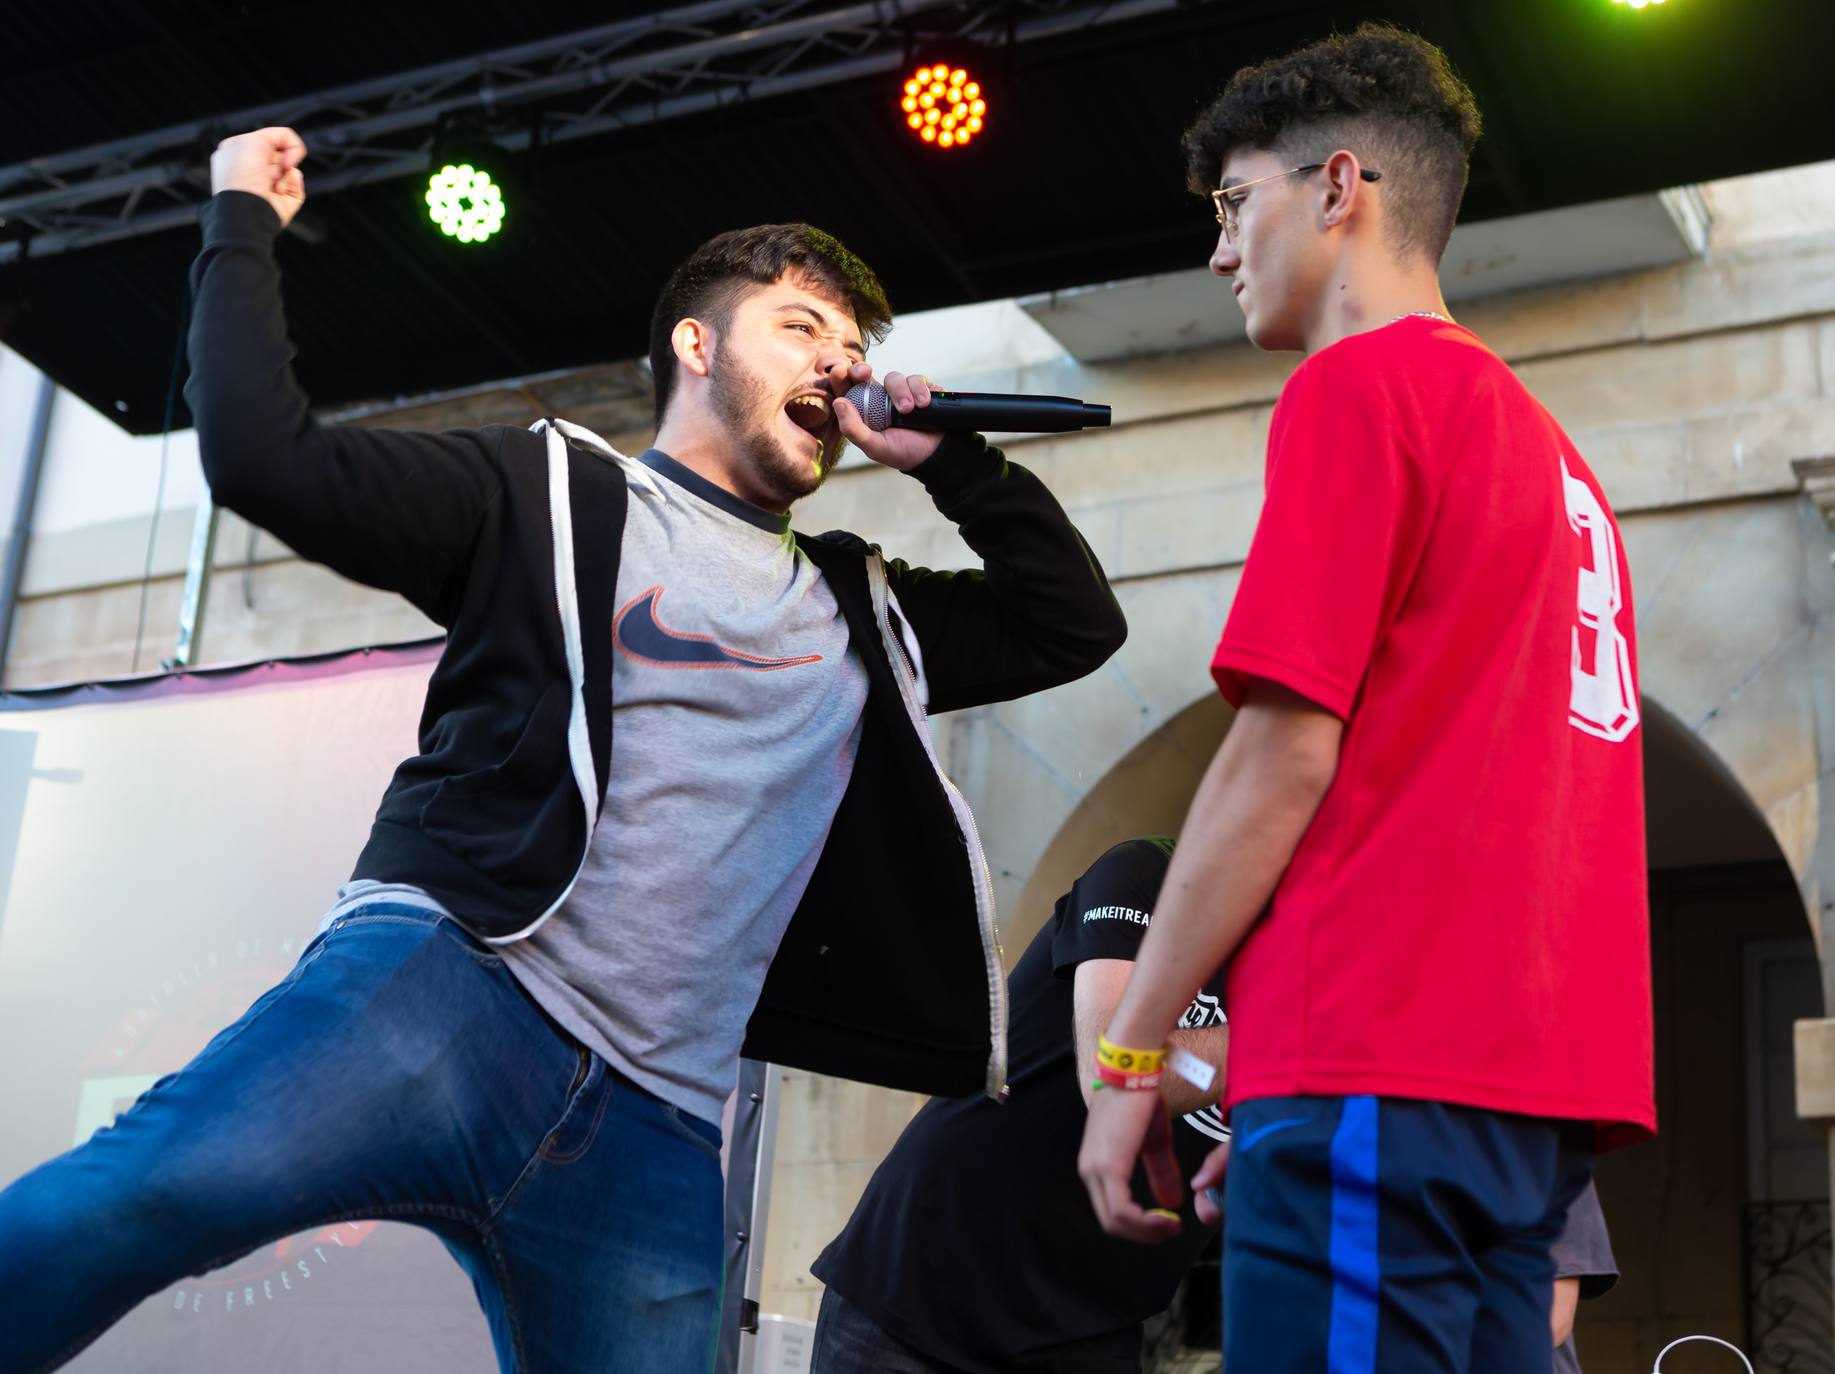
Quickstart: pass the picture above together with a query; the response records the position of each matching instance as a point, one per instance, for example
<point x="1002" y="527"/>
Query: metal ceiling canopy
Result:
<point x="661" y="66"/>
<point x="1080" y="178"/>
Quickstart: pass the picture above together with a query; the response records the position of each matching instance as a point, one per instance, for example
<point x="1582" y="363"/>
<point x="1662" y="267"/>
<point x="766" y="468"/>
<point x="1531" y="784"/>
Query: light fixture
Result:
<point x="464" y="202"/>
<point x="472" y="178"/>
<point x="943" y="105"/>
<point x="1637" y="4"/>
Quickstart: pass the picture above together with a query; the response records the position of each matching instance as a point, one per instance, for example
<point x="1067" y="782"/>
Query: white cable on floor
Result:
<point x="1657" y="1368"/>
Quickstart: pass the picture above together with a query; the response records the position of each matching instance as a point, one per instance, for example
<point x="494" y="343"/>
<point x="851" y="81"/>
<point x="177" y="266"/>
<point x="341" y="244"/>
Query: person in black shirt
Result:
<point x="973" y="1250"/>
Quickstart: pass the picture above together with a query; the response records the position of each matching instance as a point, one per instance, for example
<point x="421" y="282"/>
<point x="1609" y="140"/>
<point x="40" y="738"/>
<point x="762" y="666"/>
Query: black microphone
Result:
<point x="978" y="410"/>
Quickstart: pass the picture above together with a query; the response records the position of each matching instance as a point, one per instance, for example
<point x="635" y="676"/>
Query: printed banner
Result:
<point x="167" y="847"/>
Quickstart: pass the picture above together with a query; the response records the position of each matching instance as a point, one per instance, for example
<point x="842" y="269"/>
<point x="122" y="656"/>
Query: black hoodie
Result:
<point x="890" y="971"/>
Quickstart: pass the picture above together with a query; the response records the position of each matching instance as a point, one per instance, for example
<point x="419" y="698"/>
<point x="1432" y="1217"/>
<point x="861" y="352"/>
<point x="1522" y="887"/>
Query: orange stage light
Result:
<point x="942" y="106"/>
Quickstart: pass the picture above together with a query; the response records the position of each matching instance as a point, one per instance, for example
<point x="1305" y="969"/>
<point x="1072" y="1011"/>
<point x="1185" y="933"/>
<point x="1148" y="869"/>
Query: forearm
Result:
<point x="1562" y="1310"/>
<point x="391" y="509"/>
<point x="1249" y="814"/>
<point x="1038" y="613"/>
<point x="1212" y="1045"/>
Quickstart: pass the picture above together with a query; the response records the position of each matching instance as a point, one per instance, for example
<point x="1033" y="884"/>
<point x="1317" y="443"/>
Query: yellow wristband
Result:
<point x="1129" y="1061"/>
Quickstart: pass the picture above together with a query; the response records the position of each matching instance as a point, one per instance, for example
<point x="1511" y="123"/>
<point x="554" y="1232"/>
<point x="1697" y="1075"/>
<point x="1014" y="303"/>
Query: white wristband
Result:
<point x="1198" y="1072"/>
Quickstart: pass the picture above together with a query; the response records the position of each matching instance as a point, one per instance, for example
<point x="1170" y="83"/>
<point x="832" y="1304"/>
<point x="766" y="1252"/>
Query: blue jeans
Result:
<point x="398" y="1072"/>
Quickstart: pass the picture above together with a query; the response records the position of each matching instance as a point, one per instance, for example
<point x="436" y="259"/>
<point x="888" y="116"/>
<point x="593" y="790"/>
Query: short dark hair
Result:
<point x="719" y="274"/>
<point x="1387" y="95"/>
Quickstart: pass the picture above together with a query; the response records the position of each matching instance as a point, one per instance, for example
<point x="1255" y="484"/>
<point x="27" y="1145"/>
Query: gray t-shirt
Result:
<point x="737" y="706"/>
<point x="1583" y="1251"/>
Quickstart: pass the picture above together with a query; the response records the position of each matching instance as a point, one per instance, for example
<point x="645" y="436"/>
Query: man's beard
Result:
<point x="743" y="402"/>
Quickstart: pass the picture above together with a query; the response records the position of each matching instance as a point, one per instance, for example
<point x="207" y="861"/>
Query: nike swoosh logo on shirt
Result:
<point x="639" y="634"/>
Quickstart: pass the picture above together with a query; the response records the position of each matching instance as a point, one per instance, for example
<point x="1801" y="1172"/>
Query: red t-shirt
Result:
<point x="1466" y="919"/>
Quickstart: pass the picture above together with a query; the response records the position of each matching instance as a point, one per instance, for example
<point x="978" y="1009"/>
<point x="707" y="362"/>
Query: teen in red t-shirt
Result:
<point x="1422" y="841"/>
<point x="1465" y="918"/>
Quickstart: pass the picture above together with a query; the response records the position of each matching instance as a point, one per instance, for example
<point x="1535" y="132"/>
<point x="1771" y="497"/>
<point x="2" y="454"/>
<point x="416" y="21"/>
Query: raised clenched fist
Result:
<point x="264" y="163"/>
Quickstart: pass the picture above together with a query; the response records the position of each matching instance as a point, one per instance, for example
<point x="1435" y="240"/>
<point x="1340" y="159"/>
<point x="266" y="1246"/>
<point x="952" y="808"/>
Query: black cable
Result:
<point x="159" y="496"/>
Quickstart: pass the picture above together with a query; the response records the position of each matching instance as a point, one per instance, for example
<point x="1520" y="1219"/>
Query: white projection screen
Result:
<point x="167" y="847"/>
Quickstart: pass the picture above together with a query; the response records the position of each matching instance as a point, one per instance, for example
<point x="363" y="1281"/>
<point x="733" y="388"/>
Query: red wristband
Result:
<point x="1110" y="1076"/>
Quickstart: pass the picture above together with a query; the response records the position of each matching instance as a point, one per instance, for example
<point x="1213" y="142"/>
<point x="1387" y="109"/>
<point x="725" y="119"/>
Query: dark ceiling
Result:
<point x="1077" y="180"/>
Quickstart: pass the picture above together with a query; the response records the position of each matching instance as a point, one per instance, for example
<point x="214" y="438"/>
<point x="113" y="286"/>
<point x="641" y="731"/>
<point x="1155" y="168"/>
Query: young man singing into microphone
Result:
<point x="1421" y="844"/>
<point x="674" y="794"/>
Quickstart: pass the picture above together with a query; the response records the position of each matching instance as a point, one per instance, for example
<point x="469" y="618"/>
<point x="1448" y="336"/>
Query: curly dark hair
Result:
<point x="713" y="279"/>
<point x="1385" y="94"/>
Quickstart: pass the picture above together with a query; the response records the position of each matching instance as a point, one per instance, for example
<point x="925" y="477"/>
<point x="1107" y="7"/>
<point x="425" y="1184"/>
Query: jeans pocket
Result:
<point x="481" y="954"/>
<point x="572" y="1136"/>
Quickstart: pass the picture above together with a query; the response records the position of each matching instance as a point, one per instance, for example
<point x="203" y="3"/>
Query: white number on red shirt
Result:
<point x="1603" y="701"/>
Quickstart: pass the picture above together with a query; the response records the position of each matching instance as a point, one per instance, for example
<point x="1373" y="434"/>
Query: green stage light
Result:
<point x="1637" y="4"/>
<point x="465" y="203"/>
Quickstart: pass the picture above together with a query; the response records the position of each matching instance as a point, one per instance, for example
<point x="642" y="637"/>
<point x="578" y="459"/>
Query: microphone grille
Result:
<point x="869" y="399"/>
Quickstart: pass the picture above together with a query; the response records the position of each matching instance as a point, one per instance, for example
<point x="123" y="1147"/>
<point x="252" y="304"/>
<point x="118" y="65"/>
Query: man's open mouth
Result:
<point x="810" y="412"/>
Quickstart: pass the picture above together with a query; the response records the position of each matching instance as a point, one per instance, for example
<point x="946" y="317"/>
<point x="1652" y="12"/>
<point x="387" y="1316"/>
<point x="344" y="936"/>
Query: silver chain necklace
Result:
<point x="1420" y="315"/>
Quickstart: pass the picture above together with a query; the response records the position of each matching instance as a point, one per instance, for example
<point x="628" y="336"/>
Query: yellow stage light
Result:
<point x="928" y="133"/>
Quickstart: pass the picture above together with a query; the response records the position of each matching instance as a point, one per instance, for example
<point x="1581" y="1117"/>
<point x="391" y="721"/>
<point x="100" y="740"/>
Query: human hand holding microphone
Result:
<point x="897" y="422"/>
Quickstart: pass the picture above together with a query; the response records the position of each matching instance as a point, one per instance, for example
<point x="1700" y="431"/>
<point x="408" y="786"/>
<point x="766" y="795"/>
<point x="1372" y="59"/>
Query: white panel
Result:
<point x="1179" y="310"/>
<point x="964" y="339"/>
<point x="95" y="472"/>
<point x="162" y="862"/>
<point x="18" y="398"/>
<point x="1793" y="202"/>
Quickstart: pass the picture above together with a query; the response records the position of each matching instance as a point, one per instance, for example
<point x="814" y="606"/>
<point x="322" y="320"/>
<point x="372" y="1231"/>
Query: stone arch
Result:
<point x="1732" y="967"/>
<point x="1698" y="811"/>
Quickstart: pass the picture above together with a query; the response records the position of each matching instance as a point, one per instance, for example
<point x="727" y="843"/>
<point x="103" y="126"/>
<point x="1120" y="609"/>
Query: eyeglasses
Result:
<point x="1228" y="199"/>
